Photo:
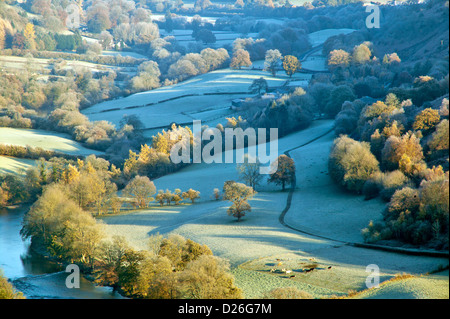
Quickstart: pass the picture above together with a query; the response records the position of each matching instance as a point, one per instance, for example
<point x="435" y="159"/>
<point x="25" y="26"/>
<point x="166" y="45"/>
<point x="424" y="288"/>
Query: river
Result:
<point x="35" y="276"/>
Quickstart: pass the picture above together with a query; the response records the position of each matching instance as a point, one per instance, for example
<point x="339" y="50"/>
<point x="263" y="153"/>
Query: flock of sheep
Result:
<point x="289" y="271"/>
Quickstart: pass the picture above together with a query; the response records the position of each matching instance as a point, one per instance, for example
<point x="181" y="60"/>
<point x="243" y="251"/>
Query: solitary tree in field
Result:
<point x="140" y="189"/>
<point x="291" y="65"/>
<point x="240" y="58"/>
<point x="285" y="172"/>
<point x="258" y="86"/>
<point x="168" y="22"/>
<point x="273" y="57"/>
<point x="216" y="194"/>
<point x="238" y="194"/>
<point x="249" y="172"/>
<point x="206" y="36"/>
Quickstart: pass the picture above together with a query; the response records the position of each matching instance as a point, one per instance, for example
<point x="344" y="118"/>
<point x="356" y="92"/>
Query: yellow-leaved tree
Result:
<point x="30" y="36"/>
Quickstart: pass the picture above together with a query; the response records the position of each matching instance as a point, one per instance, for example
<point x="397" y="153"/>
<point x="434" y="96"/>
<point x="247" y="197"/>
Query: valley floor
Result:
<point x="257" y="243"/>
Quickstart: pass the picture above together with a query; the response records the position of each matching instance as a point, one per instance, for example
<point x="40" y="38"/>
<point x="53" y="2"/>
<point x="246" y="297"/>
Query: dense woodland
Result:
<point x="387" y="91"/>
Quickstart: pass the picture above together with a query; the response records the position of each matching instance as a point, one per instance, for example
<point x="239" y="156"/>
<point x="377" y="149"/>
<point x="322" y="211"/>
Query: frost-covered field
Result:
<point x="12" y="165"/>
<point x="319" y="37"/>
<point x="321" y="207"/>
<point x="124" y="53"/>
<point x="47" y="140"/>
<point x="184" y="37"/>
<point x="315" y="62"/>
<point x="435" y="286"/>
<point x="40" y="64"/>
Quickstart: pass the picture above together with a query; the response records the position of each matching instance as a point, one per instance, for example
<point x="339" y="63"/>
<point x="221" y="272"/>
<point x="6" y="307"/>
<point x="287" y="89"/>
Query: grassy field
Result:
<point x="11" y="165"/>
<point x="435" y="286"/>
<point x="47" y="140"/>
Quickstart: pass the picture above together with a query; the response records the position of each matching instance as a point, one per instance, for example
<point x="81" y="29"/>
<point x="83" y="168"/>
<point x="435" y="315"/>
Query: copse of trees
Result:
<point x="65" y="230"/>
<point x="191" y="194"/>
<point x="171" y="268"/>
<point x="153" y="161"/>
<point x="418" y="216"/>
<point x="147" y="77"/>
<point x="351" y="163"/>
<point x="193" y="64"/>
<point x="289" y="113"/>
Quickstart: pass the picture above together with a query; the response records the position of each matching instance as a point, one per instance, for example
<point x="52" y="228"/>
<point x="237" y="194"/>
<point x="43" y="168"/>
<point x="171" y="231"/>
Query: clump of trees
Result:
<point x="288" y="113"/>
<point x="147" y="77"/>
<point x="191" y="194"/>
<point x="416" y="215"/>
<point x="154" y="160"/>
<point x="193" y="64"/>
<point x="351" y="163"/>
<point x="171" y="268"/>
<point x="62" y="227"/>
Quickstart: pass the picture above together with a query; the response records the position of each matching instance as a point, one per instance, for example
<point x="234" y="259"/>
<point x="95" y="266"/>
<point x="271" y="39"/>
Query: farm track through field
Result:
<point x="414" y="252"/>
